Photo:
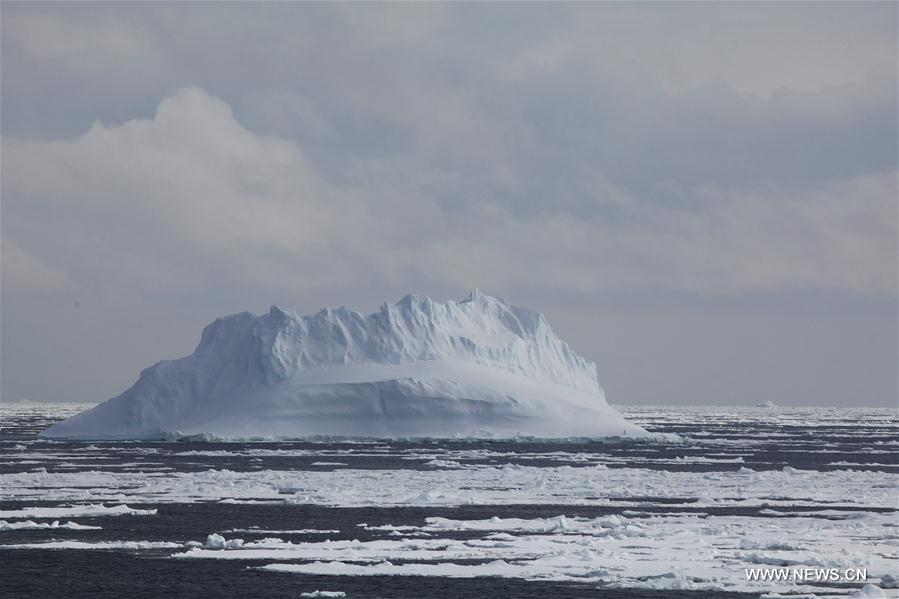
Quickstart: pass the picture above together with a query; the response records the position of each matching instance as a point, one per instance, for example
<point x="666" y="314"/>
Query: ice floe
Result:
<point x="56" y="524"/>
<point x="76" y="511"/>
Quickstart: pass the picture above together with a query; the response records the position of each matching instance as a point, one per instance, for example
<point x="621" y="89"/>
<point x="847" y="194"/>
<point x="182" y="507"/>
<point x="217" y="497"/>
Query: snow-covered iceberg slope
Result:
<point x="418" y="368"/>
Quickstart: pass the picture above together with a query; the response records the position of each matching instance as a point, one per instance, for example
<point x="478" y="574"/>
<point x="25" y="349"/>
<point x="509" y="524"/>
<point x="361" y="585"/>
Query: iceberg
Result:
<point x="479" y="368"/>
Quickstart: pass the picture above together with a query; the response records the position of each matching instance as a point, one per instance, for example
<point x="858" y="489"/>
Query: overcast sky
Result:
<point x="702" y="198"/>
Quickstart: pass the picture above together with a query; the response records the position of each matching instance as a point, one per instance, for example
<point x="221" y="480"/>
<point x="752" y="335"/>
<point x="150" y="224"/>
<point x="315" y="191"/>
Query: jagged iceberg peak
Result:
<point x="482" y="329"/>
<point x="479" y="367"/>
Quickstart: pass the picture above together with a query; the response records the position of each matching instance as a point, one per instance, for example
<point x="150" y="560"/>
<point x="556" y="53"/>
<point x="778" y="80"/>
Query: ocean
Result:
<point x="746" y="488"/>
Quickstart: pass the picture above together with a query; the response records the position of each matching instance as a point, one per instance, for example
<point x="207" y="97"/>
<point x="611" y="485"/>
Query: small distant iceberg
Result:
<point x="766" y="404"/>
<point x="480" y="367"/>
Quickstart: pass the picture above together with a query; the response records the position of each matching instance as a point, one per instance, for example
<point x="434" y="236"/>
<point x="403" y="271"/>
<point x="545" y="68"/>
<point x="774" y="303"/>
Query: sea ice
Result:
<point x="97" y="545"/>
<point x="217" y="541"/>
<point x="32" y="525"/>
<point x="76" y="511"/>
<point x="869" y="591"/>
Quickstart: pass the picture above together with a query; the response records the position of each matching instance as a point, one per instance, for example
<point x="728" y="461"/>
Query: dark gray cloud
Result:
<point x="699" y="196"/>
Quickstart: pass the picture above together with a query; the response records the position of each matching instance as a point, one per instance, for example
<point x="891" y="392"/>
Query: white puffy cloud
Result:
<point x="149" y="199"/>
<point x="193" y="187"/>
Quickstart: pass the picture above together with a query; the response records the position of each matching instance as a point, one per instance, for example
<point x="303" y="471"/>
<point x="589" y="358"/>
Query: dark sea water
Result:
<point x="726" y="481"/>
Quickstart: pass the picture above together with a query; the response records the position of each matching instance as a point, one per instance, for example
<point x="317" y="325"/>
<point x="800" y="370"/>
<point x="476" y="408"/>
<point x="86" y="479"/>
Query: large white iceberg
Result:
<point x="418" y="368"/>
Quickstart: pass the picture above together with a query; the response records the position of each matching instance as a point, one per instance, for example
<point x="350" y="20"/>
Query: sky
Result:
<point x="701" y="197"/>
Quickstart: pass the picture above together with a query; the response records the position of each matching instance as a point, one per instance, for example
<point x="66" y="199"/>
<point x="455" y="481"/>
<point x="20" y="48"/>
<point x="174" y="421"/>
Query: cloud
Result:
<point x="49" y="38"/>
<point x="193" y="195"/>
<point x="607" y="163"/>
<point x="140" y="197"/>
<point x="24" y="272"/>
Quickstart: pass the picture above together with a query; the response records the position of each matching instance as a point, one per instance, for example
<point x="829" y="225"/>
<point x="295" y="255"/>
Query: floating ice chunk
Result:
<point x="834" y="514"/>
<point x="385" y="568"/>
<point x="560" y="524"/>
<point x="706" y="460"/>
<point x="76" y="511"/>
<point x="671" y="581"/>
<point x="297" y="531"/>
<point x="32" y="525"/>
<point x="389" y="527"/>
<point x="324" y="594"/>
<point x="120" y="545"/>
<point x="869" y="591"/>
<point x="217" y="541"/>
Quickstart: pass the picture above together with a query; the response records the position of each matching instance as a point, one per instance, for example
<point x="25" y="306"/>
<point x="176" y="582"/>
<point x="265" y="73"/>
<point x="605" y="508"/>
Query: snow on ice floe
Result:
<point x="96" y="545"/>
<point x="418" y="368"/>
<point x="296" y="531"/>
<point x="76" y="511"/>
<point x="484" y="484"/>
<point x="56" y="524"/>
<point x="557" y="524"/>
<point x="687" y="552"/>
<point x="869" y="591"/>
<point x="669" y="552"/>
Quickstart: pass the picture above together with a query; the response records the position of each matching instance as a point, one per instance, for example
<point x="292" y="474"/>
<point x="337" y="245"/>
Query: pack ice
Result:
<point x="480" y="367"/>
